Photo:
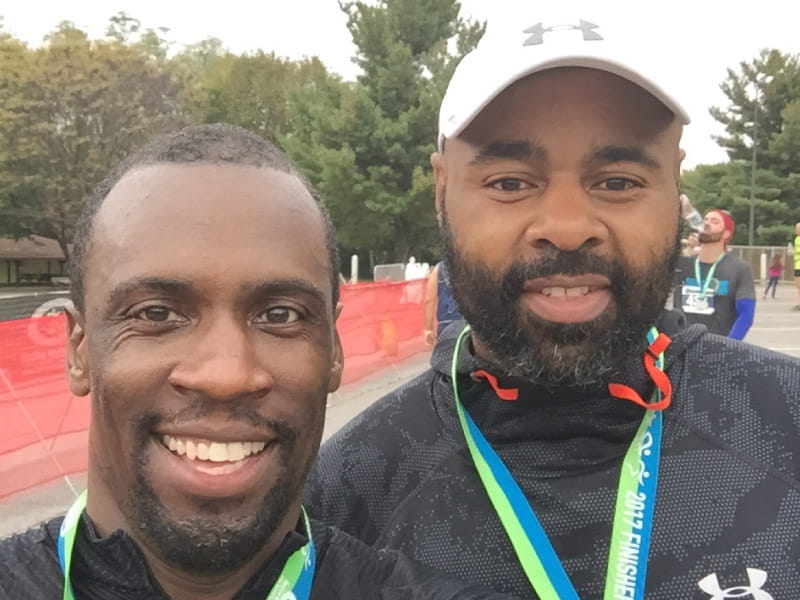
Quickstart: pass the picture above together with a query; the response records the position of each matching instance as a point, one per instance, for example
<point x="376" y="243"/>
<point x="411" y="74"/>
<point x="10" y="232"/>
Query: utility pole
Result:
<point x="750" y="232"/>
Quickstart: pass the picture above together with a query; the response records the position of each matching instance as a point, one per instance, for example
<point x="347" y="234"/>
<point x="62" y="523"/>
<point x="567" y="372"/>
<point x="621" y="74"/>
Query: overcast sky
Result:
<point x="693" y="40"/>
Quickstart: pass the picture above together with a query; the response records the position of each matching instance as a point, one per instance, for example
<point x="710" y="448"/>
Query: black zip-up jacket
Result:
<point x="113" y="568"/>
<point x="727" y="514"/>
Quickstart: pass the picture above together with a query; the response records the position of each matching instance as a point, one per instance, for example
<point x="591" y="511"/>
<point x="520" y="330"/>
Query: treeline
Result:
<point x="763" y="114"/>
<point x="73" y="107"/>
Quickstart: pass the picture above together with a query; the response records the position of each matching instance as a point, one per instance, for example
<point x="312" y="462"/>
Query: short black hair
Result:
<point x="213" y="144"/>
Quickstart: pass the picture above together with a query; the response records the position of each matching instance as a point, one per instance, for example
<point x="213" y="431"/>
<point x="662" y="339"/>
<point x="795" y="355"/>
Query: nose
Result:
<point x="564" y="216"/>
<point x="222" y="363"/>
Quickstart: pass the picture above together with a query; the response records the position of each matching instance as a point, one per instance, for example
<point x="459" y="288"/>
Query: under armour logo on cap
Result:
<point x="537" y="32"/>
<point x="756" y="579"/>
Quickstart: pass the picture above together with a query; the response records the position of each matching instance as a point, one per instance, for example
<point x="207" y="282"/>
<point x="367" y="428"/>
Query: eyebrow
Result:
<point x="515" y="150"/>
<point x="613" y="154"/>
<point x="156" y="284"/>
<point x="275" y="287"/>
<point x="177" y="287"/>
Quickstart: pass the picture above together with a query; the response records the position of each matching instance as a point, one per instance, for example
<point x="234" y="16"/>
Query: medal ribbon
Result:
<point x="704" y="285"/>
<point x="633" y="518"/>
<point x="293" y="582"/>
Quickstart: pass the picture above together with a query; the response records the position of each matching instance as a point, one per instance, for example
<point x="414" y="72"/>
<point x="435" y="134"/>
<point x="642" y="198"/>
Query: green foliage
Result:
<point x="727" y="186"/>
<point x="366" y="145"/>
<point x="69" y="111"/>
<point x="758" y="94"/>
<point x="764" y="107"/>
<point x="784" y="147"/>
<point x="250" y="90"/>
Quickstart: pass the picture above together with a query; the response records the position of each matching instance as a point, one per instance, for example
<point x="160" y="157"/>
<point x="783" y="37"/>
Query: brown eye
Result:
<point x="157" y="314"/>
<point x="619" y="184"/>
<point x="508" y="184"/>
<point x="281" y="315"/>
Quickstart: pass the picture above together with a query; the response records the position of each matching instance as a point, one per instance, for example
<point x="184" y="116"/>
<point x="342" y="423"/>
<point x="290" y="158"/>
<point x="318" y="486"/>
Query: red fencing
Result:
<point x="43" y="427"/>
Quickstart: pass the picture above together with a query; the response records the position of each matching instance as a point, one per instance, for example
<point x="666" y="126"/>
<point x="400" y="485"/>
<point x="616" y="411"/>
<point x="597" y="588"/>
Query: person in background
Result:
<point x="775" y="273"/>
<point x="717" y="289"/>
<point x="797" y="263"/>
<point x="440" y="306"/>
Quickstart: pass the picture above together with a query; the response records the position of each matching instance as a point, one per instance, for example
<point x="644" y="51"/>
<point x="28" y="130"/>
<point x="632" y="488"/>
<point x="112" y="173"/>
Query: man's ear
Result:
<point x="678" y="163"/>
<point x="338" y="355"/>
<point x="77" y="352"/>
<point x="439" y="181"/>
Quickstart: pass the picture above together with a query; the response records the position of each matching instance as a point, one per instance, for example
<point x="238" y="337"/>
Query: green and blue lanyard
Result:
<point x="293" y="582"/>
<point x="705" y="286"/>
<point x="636" y="495"/>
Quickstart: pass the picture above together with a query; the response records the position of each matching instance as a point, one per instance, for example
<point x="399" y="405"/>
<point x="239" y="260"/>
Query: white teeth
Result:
<point x="218" y="452"/>
<point x="566" y="291"/>
<point x="191" y="450"/>
<point x="578" y="291"/>
<point x="202" y="451"/>
<point x="233" y="452"/>
<point x="554" y="291"/>
<point x="212" y="451"/>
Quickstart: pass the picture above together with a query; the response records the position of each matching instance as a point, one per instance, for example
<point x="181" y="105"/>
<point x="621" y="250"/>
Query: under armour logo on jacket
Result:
<point x="537" y="32"/>
<point x="756" y="578"/>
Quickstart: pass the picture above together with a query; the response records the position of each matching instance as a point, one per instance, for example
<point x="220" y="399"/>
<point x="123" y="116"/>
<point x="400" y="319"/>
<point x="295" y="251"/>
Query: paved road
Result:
<point x="21" y="303"/>
<point x="776" y="326"/>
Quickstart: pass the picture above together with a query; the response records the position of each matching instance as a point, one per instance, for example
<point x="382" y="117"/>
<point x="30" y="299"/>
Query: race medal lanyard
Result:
<point x="293" y="582"/>
<point x="633" y="517"/>
<point x="705" y="285"/>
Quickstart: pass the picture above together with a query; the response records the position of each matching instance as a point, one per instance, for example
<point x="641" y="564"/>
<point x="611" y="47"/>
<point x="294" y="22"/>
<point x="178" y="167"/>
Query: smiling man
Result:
<point x="573" y="439"/>
<point x="205" y="284"/>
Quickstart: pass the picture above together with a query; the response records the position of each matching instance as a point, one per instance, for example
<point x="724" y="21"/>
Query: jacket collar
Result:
<point x="631" y="372"/>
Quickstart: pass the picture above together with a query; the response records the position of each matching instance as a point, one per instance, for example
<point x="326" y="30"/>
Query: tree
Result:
<point x="727" y="186"/>
<point x="758" y="95"/>
<point x="784" y="147"/>
<point x="250" y="90"/>
<point x="366" y="145"/>
<point x="762" y="124"/>
<point x="69" y="111"/>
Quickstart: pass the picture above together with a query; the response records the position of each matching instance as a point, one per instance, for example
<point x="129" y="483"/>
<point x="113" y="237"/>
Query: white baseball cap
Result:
<point x="501" y="59"/>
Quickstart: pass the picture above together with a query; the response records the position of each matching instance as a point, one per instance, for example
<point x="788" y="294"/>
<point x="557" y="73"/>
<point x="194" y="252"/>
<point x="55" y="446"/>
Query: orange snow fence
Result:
<point x="44" y="428"/>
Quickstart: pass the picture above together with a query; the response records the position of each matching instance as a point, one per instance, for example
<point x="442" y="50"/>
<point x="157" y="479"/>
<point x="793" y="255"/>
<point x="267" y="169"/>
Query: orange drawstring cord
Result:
<point x="659" y="377"/>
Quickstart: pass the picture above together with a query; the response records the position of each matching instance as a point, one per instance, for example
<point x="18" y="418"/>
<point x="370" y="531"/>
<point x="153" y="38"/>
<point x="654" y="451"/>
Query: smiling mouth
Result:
<point x="205" y="450"/>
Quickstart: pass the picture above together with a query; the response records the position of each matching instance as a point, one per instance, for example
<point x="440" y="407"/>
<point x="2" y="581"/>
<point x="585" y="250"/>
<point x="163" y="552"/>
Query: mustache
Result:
<point x="556" y="262"/>
<point x="236" y="412"/>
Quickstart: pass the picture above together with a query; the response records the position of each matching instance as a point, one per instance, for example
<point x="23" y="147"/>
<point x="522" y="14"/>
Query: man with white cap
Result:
<point x="574" y="440"/>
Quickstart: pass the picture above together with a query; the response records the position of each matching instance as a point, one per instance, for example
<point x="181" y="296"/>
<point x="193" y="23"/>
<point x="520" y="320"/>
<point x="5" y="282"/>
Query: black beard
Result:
<point x="210" y="544"/>
<point x="559" y="354"/>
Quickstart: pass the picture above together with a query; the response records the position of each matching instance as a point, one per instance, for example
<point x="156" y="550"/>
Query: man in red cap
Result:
<point x="717" y="288"/>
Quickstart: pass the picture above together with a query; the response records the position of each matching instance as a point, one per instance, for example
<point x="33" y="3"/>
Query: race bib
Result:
<point x="695" y="302"/>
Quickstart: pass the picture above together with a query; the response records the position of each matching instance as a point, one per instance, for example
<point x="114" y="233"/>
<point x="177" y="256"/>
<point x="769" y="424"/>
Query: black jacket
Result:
<point x="113" y="568"/>
<point x="400" y="476"/>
